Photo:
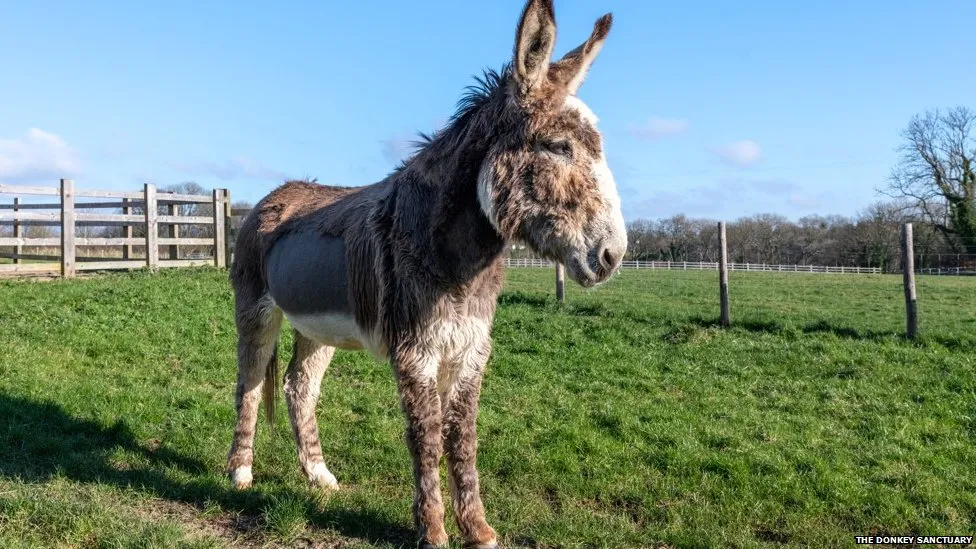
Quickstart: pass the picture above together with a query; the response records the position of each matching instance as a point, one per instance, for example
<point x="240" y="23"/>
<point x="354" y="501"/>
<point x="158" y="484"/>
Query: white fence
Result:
<point x="948" y="271"/>
<point x="708" y="266"/>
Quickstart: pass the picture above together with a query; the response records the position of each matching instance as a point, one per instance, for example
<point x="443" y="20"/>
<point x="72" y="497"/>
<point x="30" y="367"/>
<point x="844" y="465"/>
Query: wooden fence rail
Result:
<point x="66" y="254"/>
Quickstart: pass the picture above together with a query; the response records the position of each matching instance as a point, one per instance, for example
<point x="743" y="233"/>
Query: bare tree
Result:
<point x="936" y="172"/>
<point x="874" y="239"/>
<point x="190" y="187"/>
<point x="641" y="241"/>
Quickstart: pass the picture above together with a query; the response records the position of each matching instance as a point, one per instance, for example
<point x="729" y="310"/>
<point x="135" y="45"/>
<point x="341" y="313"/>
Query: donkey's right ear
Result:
<point x="533" y="44"/>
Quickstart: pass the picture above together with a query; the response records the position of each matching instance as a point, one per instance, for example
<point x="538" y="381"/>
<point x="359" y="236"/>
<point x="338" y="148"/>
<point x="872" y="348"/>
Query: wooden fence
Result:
<point x="71" y="256"/>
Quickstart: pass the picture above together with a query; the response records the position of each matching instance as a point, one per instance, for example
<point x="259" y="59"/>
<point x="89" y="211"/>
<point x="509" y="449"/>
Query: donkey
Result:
<point x="410" y="268"/>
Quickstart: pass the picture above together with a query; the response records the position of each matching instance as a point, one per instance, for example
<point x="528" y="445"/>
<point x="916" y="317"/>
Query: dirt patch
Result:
<point x="233" y="529"/>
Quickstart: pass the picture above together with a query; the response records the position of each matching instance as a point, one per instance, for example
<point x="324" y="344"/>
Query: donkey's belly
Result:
<point x="329" y="329"/>
<point x="308" y="281"/>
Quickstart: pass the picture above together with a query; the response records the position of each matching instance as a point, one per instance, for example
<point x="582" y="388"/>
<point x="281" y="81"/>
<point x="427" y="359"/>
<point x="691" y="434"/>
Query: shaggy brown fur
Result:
<point x="423" y="253"/>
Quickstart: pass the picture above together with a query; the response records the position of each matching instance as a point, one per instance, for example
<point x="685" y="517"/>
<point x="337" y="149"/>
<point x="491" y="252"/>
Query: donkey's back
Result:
<point x="285" y="209"/>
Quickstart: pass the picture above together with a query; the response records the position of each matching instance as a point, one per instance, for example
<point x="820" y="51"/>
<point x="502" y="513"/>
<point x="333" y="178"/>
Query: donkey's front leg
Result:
<point x="461" y="446"/>
<point x="416" y="375"/>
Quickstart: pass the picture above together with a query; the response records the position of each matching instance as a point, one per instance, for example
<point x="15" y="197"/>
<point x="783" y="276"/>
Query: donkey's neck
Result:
<point x="456" y="242"/>
<point x="459" y="243"/>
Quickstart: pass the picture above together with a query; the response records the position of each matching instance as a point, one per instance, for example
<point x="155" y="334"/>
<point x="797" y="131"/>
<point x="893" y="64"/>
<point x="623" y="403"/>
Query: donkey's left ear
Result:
<point x="572" y="68"/>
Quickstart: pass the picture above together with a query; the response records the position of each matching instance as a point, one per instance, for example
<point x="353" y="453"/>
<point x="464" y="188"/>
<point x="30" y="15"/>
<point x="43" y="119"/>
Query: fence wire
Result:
<point x="856" y="302"/>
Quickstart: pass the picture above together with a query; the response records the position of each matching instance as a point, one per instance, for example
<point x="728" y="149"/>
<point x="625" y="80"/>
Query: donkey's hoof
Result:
<point x="242" y="478"/>
<point x="323" y="478"/>
<point x="438" y="540"/>
<point x="489" y="545"/>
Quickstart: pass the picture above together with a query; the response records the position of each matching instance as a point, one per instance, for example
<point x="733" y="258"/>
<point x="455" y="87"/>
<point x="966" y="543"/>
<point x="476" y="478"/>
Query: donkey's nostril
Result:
<point x="608" y="259"/>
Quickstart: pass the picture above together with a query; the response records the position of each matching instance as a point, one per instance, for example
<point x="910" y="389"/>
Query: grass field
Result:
<point x="622" y="419"/>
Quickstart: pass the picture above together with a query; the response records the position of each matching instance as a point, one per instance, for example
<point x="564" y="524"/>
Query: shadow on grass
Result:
<point x="548" y="303"/>
<point x="522" y="298"/>
<point x="819" y="327"/>
<point x="41" y="440"/>
<point x="846" y="332"/>
<point x="756" y="326"/>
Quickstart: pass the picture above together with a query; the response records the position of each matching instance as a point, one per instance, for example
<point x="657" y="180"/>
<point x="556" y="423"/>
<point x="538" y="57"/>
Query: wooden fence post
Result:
<point x="127" y="249"/>
<point x="723" y="274"/>
<point x="174" y="231"/>
<point x="218" y="227"/>
<point x="228" y="230"/>
<point x="67" y="228"/>
<point x="560" y="283"/>
<point x="152" y="234"/>
<point x="908" y="268"/>
<point x="18" y="232"/>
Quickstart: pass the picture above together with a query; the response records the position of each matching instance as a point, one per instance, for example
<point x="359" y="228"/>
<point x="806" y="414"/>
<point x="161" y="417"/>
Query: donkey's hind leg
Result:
<point x="258" y="324"/>
<point x="303" y="382"/>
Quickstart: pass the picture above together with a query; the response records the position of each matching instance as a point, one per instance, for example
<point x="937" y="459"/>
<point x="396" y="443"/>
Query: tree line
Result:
<point x="871" y="238"/>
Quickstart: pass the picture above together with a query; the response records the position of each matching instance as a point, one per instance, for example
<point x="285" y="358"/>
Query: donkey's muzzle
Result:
<point x="609" y="256"/>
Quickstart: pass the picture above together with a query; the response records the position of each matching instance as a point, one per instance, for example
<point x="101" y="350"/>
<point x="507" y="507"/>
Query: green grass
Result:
<point x="625" y="418"/>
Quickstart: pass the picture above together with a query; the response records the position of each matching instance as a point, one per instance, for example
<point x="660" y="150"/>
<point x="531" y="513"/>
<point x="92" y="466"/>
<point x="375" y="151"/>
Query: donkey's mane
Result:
<point x="472" y="100"/>
<point x="478" y="94"/>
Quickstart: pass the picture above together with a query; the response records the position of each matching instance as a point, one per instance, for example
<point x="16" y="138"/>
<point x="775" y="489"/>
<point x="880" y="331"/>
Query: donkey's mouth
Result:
<point x="581" y="272"/>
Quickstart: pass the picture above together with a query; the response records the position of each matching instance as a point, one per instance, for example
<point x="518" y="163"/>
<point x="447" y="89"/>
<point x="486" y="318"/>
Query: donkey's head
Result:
<point x="545" y="180"/>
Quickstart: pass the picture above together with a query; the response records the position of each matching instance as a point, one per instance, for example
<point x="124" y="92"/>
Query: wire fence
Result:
<point x="707" y="266"/>
<point x="850" y="298"/>
<point x="850" y="301"/>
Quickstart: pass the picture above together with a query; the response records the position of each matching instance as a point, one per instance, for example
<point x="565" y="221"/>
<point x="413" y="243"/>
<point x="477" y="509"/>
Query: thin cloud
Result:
<point x="810" y="202"/>
<point x="37" y="156"/>
<point x="401" y="146"/>
<point x="236" y="168"/>
<point x="656" y="128"/>
<point x="739" y="153"/>
<point x="622" y="169"/>
<point x="397" y="148"/>
<point x="775" y="187"/>
<point x="739" y="195"/>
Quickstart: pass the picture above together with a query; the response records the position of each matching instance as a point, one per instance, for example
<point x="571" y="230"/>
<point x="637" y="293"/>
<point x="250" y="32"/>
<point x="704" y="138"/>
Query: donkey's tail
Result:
<point x="270" y="386"/>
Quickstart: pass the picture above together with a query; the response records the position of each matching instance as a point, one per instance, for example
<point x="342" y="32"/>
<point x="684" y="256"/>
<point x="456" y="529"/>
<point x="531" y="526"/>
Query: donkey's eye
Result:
<point x="560" y="148"/>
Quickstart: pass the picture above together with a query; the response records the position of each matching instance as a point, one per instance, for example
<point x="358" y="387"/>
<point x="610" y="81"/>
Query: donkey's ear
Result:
<point x="533" y="43"/>
<point x="572" y="68"/>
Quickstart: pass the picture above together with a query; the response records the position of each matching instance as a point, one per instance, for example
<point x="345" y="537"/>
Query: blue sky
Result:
<point x="715" y="109"/>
